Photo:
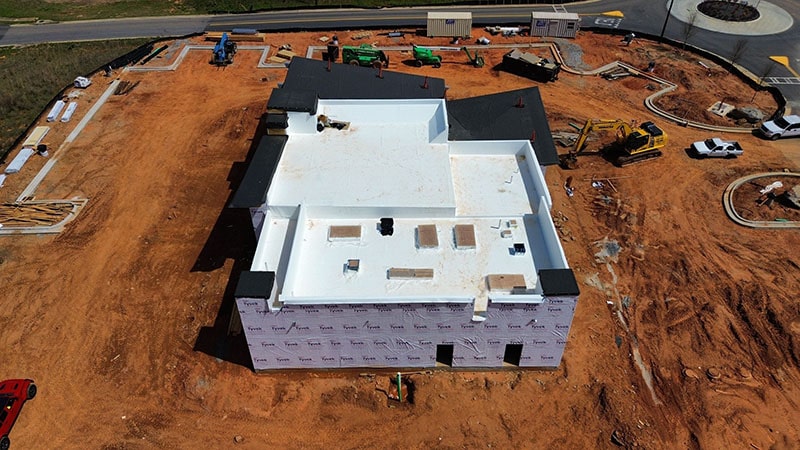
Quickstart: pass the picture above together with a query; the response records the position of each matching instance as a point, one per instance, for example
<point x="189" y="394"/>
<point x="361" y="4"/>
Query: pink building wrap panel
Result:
<point x="403" y="335"/>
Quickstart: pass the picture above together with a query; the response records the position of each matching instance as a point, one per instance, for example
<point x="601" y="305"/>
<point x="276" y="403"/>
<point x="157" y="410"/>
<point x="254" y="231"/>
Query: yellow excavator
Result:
<point x="633" y="143"/>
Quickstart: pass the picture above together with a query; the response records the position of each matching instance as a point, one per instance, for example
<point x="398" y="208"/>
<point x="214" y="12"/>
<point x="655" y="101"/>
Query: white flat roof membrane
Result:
<point x="385" y="158"/>
<point x="393" y="160"/>
<point x="457" y="272"/>
<point x="489" y="185"/>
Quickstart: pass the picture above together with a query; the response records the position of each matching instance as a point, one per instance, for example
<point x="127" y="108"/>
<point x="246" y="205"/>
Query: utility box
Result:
<point x="449" y="24"/>
<point x="555" y="24"/>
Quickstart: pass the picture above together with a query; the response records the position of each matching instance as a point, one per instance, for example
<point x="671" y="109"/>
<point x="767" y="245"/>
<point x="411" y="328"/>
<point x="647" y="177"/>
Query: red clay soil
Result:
<point x="121" y="318"/>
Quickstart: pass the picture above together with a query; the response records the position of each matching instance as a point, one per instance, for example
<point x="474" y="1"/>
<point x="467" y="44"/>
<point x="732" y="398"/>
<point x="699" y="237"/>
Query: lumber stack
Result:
<point x="215" y="36"/>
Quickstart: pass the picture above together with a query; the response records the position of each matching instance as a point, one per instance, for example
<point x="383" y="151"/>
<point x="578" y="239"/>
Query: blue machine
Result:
<point x="224" y="51"/>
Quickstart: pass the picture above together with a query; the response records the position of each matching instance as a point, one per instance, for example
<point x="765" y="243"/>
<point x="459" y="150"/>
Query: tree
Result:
<point x="689" y="27"/>
<point x="737" y="51"/>
<point x="764" y="74"/>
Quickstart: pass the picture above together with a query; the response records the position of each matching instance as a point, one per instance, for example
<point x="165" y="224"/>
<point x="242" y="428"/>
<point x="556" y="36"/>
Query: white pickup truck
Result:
<point x="785" y="126"/>
<point x="717" y="147"/>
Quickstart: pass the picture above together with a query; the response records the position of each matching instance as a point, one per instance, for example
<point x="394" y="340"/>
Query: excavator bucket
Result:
<point x="568" y="161"/>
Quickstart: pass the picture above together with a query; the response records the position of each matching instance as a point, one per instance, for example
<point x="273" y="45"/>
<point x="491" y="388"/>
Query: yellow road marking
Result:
<point x="784" y="61"/>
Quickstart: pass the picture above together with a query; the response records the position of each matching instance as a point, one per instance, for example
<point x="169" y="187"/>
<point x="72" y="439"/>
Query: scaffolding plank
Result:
<point x="404" y="272"/>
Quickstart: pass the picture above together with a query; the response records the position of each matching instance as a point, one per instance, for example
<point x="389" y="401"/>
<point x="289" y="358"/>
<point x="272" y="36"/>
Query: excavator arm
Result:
<point x="592" y="125"/>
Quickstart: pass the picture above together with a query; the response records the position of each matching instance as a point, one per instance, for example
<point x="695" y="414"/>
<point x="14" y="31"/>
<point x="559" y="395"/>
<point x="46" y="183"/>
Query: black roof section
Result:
<point x="345" y="81"/>
<point x="303" y="100"/>
<point x="254" y="284"/>
<point x="558" y="282"/>
<point x="278" y="121"/>
<point x="252" y="191"/>
<point x="500" y="117"/>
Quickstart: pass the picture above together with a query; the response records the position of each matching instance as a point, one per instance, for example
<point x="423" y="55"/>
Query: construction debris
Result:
<point x="615" y="73"/>
<point x="747" y="113"/>
<point x="361" y="35"/>
<point x="565" y="139"/>
<point x="33" y="215"/>
<point x="771" y="187"/>
<point x="793" y="196"/>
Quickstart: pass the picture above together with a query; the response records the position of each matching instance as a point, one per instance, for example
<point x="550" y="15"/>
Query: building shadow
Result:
<point x="231" y="238"/>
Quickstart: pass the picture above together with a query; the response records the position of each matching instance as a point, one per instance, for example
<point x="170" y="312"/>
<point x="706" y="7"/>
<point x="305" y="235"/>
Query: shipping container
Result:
<point x="555" y="24"/>
<point x="449" y="24"/>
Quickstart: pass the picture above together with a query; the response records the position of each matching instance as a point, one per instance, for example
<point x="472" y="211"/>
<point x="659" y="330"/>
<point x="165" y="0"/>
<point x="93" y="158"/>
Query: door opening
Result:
<point x="513" y="354"/>
<point x="444" y="355"/>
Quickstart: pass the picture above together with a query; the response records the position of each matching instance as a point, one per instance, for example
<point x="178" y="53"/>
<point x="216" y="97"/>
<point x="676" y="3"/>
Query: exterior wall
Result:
<point x="558" y="27"/>
<point x="403" y="335"/>
<point x="449" y="27"/>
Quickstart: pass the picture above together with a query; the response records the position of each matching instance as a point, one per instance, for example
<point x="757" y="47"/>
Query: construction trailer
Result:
<point x="449" y="24"/>
<point x="555" y="24"/>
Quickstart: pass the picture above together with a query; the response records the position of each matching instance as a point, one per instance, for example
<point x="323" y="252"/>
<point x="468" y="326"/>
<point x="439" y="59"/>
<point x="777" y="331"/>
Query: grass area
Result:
<point x="31" y="76"/>
<point x="65" y="10"/>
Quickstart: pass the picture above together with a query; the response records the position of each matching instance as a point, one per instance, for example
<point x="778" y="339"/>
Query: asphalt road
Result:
<point x="645" y="17"/>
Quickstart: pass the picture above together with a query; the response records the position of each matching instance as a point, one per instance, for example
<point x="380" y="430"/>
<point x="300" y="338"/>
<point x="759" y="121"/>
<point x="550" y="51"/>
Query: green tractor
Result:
<point x="477" y="60"/>
<point x="425" y="56"/>
<point x="364" y="55"/>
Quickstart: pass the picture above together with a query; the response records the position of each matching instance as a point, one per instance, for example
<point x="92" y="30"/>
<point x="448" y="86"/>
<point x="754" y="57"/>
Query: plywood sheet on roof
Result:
<point x="465" y="235"/>
<point x="426" y="235"/>
<point x="344" y="232"/>
<point x="505" y="281"/>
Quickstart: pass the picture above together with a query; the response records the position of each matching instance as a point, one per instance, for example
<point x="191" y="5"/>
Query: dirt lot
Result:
<point x="121" y="318"/>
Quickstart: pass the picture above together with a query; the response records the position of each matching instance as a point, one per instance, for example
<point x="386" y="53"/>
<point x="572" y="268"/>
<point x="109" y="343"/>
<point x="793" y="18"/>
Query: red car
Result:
<point x="13" y="394"/>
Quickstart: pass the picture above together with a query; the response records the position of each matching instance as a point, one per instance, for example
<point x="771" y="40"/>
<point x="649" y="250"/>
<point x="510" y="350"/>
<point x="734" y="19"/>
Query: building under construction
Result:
<point x="396" y="230"/>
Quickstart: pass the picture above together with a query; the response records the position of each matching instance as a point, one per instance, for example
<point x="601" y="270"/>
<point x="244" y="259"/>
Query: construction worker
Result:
<point x="628" y="38"/>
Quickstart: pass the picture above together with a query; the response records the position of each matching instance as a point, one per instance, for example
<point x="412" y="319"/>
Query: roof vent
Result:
<point x="387" y="226"/>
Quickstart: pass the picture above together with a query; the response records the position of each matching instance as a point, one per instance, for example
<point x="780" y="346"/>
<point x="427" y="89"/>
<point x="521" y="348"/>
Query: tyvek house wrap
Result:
<point x="403" y="335"/>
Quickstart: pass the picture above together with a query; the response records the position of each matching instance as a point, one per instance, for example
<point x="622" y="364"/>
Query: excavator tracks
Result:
<point x="627" y="160"/>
